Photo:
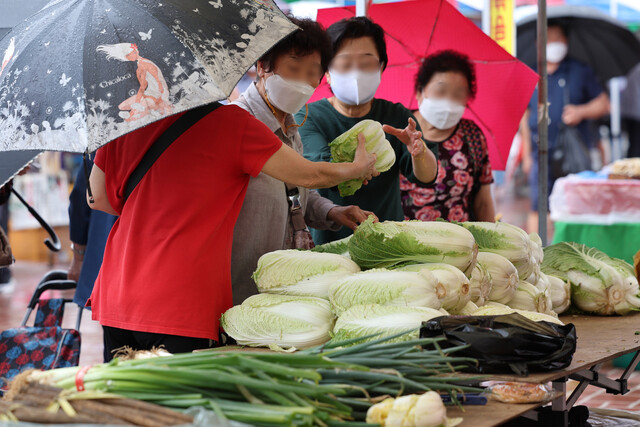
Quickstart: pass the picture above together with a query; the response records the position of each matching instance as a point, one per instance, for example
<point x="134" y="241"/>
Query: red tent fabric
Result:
<point x="415" y="29"/>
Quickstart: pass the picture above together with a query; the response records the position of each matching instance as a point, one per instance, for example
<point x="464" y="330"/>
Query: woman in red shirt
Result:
<point x="166" y="275"/>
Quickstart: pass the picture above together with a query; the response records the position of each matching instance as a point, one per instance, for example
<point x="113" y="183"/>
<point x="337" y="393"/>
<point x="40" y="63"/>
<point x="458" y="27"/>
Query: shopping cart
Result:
<point x="45" y="345"/>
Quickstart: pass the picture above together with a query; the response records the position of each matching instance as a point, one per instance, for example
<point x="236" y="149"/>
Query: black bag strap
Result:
<point x="174" y="132"/>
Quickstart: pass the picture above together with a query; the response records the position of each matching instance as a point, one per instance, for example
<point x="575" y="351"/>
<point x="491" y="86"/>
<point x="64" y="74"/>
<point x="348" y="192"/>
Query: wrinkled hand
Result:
<point x="349" y="216"/>
<point x="365" y="161"/>
<point x="571" y="115"/>
<point x="74" y="269"/>
<point x="409" y="136"/>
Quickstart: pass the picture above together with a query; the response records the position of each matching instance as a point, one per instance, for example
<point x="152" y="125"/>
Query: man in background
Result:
<point x="568" y="79"/>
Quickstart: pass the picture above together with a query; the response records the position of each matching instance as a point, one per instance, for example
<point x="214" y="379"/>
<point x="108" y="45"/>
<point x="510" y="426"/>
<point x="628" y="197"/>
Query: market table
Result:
<point x="600" y="339"/>
<point x="491" y="414"/>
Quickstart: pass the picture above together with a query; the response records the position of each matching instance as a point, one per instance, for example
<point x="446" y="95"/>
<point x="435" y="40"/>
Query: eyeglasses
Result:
<point x="346" y="63"/>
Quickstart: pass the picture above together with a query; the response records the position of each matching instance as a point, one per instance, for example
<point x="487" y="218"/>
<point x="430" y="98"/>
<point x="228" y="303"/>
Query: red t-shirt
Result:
<point x="167" y="262"/>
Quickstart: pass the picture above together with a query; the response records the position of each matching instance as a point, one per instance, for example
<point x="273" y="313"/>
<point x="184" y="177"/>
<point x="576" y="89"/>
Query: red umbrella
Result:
<point x="415" y="29"/>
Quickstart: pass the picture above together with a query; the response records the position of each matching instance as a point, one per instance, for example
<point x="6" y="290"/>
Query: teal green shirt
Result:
<point x="382" y="195"/>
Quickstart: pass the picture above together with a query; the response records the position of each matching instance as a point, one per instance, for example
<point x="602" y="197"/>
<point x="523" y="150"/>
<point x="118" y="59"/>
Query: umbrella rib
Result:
<point x="435" y="23"/>
<point x="405" y="47"/>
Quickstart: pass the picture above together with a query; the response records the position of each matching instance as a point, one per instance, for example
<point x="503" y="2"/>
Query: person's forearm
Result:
<point x="525" y="133"/>
<point x="596" y="108"/>
<point x="483" y="206"/>
<point x="316" y="214"/>
<point x="485" y="212"/>
<point x="289" y="166"/>
<point x="326" y="175"/>
<point x="425" y="166"/>
<point x="102" y="204"/>
<point x="78" y="249"/>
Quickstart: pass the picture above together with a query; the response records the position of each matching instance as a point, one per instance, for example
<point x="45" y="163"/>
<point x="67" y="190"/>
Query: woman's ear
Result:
<point x="260" y="71"/>
<point x="419" y="97"/>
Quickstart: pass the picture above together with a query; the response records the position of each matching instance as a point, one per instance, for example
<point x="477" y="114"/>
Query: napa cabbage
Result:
<point x="303" y="273"/>
<point x="284" y="321"/>
<point x="391" y="244"/>
<point x="343" y="149"/>
<point x="453" y="287"/>
<point x="599" y="284"/>
<point x="509" y="241"/>
<point x="385" y="287"/>
<point x="363" y="321"/>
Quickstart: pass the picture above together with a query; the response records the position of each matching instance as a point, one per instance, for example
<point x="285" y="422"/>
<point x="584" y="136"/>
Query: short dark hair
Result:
<point x="559" y="23"/>
<point x="355" y="28"/>
<point x="443" y="62"/>
<point x="310" y="38"/>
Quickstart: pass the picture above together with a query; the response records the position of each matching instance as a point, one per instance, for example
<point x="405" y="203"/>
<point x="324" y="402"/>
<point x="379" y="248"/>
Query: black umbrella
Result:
<point x="595" y="39"/>
<point x="13" y="162"/>
<point x="52" y="242"/>
<point x="80" y="73"/>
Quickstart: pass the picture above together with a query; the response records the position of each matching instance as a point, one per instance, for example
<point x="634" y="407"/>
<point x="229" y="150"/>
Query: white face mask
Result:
<point x="355" y="87"/>
<point x="441" y="113"/>
<point x="287" y="95"/>
<point x="556" y="52"/>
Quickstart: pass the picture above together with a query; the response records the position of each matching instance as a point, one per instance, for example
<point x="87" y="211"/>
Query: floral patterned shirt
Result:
<point x="463" y="167"/>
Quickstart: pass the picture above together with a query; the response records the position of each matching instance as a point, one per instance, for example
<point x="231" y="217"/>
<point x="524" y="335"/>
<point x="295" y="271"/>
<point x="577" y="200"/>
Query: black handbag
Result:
<point x="571" y="154"/>
<point x="506" y="344"/>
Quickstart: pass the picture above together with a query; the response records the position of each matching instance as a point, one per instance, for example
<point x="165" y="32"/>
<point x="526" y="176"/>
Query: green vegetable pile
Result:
<point x="330" y="385"/>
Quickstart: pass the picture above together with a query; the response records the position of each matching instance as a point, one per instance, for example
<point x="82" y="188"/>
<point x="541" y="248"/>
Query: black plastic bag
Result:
<point x="506" y="343"/>
<point x="570" y="155"/>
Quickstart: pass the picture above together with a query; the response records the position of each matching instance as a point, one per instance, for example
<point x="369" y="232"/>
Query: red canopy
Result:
<point x="415" y="29"/>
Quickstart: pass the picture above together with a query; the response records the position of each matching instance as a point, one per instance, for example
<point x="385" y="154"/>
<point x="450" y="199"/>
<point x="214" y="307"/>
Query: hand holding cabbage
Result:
<point x="348" y="147"/>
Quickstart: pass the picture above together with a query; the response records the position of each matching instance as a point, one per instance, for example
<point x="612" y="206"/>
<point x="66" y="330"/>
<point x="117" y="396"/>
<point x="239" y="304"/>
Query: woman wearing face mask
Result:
<point x="444" y="84"/>
<point x="354" y="75"/>
<point x="275" y="215"/>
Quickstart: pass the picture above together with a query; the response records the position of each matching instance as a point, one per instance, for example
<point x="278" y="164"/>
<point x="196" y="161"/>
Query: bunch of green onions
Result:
<point x="331" y="385"/>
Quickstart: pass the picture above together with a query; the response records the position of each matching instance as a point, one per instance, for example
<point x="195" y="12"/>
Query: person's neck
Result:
<point x="432" y="133"/>
<point x="552" y="67"/>
<point x="280" y="115"/>
<point x="354" y="111"/>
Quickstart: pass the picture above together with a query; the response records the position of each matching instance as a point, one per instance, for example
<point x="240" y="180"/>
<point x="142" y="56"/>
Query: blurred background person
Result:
<point x="88" y="231"/>
<point x="568" y="79"/>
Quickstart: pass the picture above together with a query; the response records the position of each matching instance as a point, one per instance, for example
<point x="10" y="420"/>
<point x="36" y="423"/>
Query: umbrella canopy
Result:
<point x="13" y="162"/>
<point x="80" y="73"/>
<point x="595" y="39"/>
<point x="415" y="29"/>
